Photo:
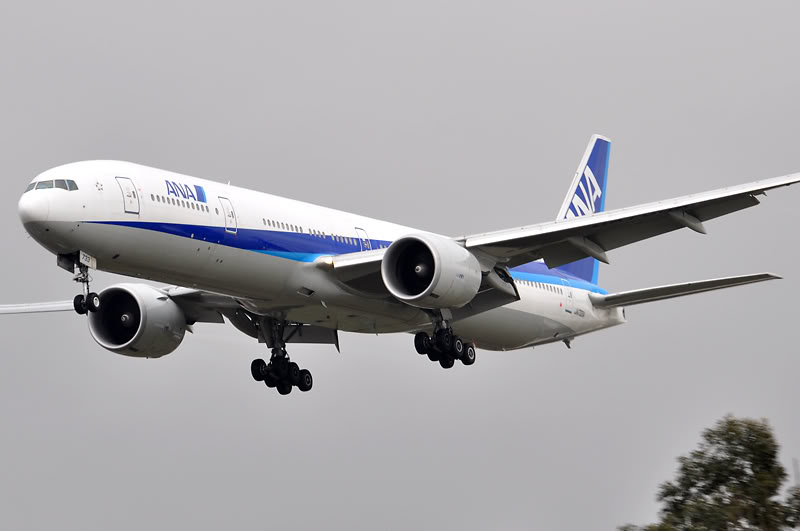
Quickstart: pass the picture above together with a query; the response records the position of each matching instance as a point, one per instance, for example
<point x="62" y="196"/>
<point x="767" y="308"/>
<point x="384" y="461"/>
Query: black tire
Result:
<point x="294" y="373"/>
<point x="258" y="369"/>
<point x="280" y="367"/>
<point x="444" y="340"/>
<point x="469" y="354"/>
<point x="458" y="347"/>
<point x="270" y="381"/>
<point x="306" y="381"/>
<point x="93" y="302"/>
<point x="284" y="387"/>
<point x="421" y="343"/>
<point x="447" y="362"/>
<point x="79" y="304"/>
<point x="433" y="356"/>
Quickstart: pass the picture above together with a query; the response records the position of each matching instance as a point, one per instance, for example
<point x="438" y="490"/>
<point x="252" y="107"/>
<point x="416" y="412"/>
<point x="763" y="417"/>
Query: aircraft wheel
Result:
<point x="447" y="362"/>
<point x="270" y="381"/>
<point x="258" y="369"/>
<point x="444" y="340"/>
<point x="421" y="342"/>
<point x="280" y="367"/>
<point x="79" y="304"/>
<point x="294" y="373"/>
<point x="469" y="354"/>
<point x="433" y="356"/>
<point x="284" y="387"/>
<point x="458" y="347"/>
<point x="306" y="381"/>
<point x="93" y="302"/>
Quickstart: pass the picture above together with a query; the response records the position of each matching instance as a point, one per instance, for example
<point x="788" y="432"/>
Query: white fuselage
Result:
<point x="263" y="250"/>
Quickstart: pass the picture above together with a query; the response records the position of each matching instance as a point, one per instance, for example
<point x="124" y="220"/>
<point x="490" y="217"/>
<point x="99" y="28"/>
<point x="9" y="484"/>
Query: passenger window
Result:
<point x="71" y="186"/>
<point x="41" y="185"/>
<point x="61" y="183"/>
<point x="30" y="187"/>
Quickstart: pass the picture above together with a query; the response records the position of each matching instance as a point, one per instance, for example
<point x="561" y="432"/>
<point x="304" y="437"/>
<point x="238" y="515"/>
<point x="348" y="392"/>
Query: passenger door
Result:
<point x="230" y="215"/>
<point x="366" y="245"/>
<point x="569" y="299"/>
<point x="130" y="196"/>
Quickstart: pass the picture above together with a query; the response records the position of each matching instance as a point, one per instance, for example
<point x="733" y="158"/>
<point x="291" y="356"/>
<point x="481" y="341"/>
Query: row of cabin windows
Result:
<point x="63" y="184"/>
<point x="181" y="203"/>
<point x="267" y="222"/>
<point x="313" y="232"/>
<point x="281" y="225"/>
<point x="541" y="285"/>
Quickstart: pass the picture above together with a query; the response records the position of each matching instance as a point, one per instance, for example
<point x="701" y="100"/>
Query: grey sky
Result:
<point x="456" y="117"/>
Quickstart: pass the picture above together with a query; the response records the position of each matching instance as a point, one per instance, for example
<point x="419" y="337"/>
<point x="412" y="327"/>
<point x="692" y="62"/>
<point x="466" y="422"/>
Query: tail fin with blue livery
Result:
<point x="587" y="195"/>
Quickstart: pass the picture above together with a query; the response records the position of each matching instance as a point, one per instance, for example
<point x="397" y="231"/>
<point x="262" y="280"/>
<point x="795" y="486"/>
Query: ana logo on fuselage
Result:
<point x="590" y="189"/>
<point x="185" y="191"/>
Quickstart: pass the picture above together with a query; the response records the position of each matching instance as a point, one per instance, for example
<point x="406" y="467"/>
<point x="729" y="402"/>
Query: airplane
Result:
<point x="287" y="272"/>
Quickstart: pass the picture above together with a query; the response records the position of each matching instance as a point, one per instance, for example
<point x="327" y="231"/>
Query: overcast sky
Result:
<point x="456" y="117"/>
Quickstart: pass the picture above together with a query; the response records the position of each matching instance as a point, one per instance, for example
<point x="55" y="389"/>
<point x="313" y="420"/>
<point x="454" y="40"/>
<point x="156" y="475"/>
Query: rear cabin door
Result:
<point x="230" y="215"/>
<point x="130" y="196"/>
<point x="366" y="245"/>
<point x="569" y="299"/>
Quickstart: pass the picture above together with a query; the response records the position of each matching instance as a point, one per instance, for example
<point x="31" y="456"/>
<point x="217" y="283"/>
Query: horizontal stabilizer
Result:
<point x="660" y="293"/>
<point x="38" y="307"/>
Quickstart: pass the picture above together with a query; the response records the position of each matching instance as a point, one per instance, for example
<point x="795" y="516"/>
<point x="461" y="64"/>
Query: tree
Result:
<point x="730" y="482"/>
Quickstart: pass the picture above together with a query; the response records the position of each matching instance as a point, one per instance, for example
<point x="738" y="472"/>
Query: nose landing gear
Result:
<point x="88" y="301"/>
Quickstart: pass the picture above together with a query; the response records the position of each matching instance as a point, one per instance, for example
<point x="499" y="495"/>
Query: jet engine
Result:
<point x="137" y="320"/>
<point x="429" y="271"/>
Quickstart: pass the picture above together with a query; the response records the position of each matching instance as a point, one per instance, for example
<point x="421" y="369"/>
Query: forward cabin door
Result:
<point x="130" y="197"/>
<point x="366" y="245"/>
<point x="230" y="215"/>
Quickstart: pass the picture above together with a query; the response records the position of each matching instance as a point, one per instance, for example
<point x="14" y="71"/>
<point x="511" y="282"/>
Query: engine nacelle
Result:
<point x="428" y="271"/>
<point x="137" y="320"/>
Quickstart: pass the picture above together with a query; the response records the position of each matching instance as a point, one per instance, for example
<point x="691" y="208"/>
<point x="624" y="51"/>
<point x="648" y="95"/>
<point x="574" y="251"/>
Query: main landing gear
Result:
<point x="280" y="372"/>
<point x="88" y="301"/>
<point x="445" y="348"/>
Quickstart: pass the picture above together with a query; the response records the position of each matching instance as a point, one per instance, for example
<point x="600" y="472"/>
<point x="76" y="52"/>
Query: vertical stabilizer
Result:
<point x="587" y="195"/>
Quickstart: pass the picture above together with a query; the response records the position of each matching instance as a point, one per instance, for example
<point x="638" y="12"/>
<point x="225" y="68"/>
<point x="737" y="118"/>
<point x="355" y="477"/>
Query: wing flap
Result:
<point x="660" y="293"/>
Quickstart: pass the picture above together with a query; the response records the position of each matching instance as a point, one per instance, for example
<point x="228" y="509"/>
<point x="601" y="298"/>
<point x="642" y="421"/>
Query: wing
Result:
<point x="562" y="242"/>
<point x="660" y="293"/>
<point x="37" y="307"/>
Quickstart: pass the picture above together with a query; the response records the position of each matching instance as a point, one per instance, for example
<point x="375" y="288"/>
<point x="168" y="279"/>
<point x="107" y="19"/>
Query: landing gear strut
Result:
<point x="444" y="346"/>
<point x="88" y="301"/>
<point x="280" y="373"/>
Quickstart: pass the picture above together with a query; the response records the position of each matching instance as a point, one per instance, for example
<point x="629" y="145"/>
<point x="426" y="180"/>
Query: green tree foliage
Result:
<point x="731" y="482"/>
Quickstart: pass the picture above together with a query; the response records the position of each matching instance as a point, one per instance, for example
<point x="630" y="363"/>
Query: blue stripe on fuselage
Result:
<point x="302" y="247"/>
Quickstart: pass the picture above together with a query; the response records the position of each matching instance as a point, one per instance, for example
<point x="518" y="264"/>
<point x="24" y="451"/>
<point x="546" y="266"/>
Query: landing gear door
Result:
<point x="230" y="215"/>
<point x="130" y="196"/>
<point x="366" y="245"/>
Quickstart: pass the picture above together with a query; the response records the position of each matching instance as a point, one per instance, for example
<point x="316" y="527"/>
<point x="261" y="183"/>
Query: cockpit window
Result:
<point x="44" y="184"/>
<point x="71" y="185"/>
<point x="30" y="187"/>
<point x="61" y="183"/>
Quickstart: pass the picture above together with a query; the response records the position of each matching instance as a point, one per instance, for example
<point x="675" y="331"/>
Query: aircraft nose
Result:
<point x="34" y="207"/>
